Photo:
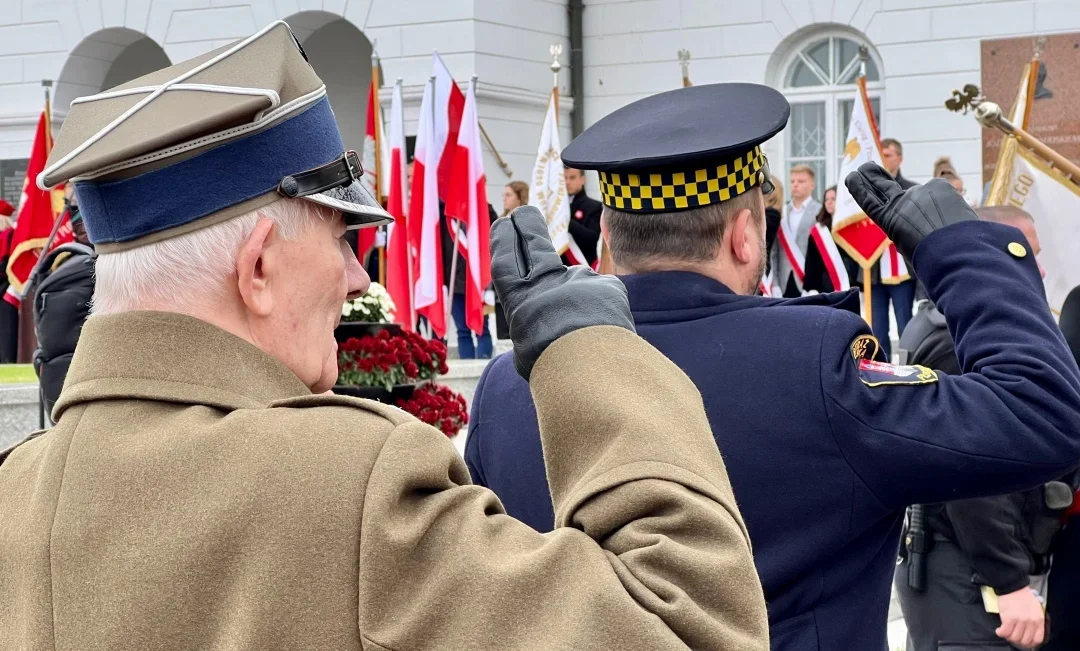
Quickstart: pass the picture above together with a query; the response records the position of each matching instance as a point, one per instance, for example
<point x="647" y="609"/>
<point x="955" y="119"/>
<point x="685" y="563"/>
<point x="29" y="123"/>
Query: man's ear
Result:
<point x="742" y="246"/>
<point x="256" y="262"/>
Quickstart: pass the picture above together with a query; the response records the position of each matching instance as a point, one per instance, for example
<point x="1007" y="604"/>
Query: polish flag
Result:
<point x="424" y="235"/>
<point x="399" y="271"/>
<point x="374" y="141"/>
<point x="830" y="256"/>
<point x="467" y="204"/>
<point x="449" y="105"/>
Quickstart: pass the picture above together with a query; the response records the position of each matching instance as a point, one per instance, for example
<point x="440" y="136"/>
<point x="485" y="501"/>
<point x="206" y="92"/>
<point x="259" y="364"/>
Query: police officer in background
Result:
<point x="826" y="444"/>
<point x="202" y="489"/>
<point x="971" y="582"/>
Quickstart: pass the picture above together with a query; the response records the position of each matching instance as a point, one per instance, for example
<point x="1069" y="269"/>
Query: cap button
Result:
<point x="1017" y="249"/>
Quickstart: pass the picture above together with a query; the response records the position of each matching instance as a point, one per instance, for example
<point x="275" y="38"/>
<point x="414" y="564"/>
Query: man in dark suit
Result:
<point x="826" y="444"/>
<point x="584" y="217"/>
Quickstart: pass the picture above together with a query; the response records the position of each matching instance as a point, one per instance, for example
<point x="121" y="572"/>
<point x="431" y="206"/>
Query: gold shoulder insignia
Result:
<point x="860" y="348"/>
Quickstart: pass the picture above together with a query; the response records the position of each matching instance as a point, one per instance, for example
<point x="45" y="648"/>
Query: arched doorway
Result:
<point x="341" y="55"/>
<point x="105" y="59"/>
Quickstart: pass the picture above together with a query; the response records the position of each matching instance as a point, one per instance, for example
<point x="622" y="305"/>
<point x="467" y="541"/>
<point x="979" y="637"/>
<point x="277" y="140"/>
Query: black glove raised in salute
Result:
<point x="906" y="217"/>
<point x="543" y="299"/>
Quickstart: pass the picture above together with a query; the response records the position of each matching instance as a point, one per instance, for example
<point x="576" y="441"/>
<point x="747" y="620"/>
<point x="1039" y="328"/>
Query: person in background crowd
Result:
<point x="995" y="543"/>
<point x="203" y="489"/>
<point x="901" y="295"/>
<point x="9" y="314"/>
<point x="943" y="168"/>
<point x="774" y="213"/>
<point x="470" y="344"/>
<point x="66" y="278"/>
<point x="515" y="195"/>
<point x="795" y="229"/>
<point x="826" y="444"/>
<point x="1063" y="590"/>
<point x="817" y="277"/>
<point x="584" y="216"/>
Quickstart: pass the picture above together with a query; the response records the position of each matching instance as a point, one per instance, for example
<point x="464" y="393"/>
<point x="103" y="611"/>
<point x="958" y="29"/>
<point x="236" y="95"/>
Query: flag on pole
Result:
<point x="1025" y="180"/>
<point x="36" y="217"/>
<point x="449" y="105"/>
<point x="424" y="235"/>
<point x="399" y="272"/>
<point x="852" y="229"/>
<point x="467" y="204"/>
<point x="373" y="143"/>
<point x="548" y="189"/>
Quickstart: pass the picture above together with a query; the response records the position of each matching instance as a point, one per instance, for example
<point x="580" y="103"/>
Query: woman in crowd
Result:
<point x="817" y="277"/>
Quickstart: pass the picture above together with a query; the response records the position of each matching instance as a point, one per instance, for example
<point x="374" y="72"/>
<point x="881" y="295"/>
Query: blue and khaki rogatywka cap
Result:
<point x="682" y="149"/>
<point x="207" y="140"/>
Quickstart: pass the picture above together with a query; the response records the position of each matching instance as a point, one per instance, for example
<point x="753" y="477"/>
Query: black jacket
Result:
<point x="585" y="225"/>
<point x="1006" y="538"/>
<point x="772" y="225"/>
<point x="62" y="295"/>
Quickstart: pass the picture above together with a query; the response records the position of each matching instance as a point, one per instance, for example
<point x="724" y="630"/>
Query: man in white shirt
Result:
<point x="789" y="254"/>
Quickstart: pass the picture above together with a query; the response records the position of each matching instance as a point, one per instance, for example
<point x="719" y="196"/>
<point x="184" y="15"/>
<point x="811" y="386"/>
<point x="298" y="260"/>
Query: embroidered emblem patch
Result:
<point x="874" y="374"/>
<point x="861" y="348"/>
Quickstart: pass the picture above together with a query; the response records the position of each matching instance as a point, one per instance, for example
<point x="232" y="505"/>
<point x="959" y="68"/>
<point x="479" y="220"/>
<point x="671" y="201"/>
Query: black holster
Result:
<point x="917" y="543"/>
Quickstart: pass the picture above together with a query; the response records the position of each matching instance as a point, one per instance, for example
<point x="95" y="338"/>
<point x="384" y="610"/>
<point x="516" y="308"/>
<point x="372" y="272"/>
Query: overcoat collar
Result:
<point x="170" y="357"/>
<point x="673" y="296"/>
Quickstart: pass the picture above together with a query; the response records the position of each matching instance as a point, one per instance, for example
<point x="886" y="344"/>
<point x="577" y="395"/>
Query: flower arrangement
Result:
<point x="375" y="306"/>
<point x="386" y="360"/>
<point x="439" y="407"/>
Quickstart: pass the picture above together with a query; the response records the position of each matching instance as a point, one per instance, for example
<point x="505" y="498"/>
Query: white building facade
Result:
<point x="920" y="50"/>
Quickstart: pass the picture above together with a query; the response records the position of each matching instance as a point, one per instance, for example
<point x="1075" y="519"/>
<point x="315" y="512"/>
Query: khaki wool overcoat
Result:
<point x="195" y="495"/>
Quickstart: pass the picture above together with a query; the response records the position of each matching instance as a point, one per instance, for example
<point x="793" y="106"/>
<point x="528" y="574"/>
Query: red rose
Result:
<point x="411" y="370"/>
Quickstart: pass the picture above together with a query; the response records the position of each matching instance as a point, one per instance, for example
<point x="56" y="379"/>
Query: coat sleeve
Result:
<point x="1006" y="424"/>
<point x="988" y="533"/>
<point x="650" y="550"/>
<point x="473" y="459"/>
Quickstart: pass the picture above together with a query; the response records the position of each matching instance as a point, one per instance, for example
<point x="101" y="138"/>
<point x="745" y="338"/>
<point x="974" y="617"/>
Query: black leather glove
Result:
<point x="544" y="300"/>
<point x="906" y="217"/>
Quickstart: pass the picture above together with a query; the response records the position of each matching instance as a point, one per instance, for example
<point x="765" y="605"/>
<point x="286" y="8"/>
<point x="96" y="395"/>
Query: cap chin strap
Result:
<point x="342" y="171"/>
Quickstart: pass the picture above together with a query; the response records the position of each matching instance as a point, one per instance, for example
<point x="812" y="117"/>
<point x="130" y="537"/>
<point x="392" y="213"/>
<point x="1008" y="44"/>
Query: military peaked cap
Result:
<point x="206" y="140"/>
<point x="682" y="149"/>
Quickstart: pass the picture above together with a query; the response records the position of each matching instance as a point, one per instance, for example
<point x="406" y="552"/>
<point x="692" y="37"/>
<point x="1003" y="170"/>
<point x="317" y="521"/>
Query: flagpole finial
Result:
<point x="556" y="52"/>
<point x="684" y="61"/>
<point x="864" y="56"/>
<point x="1039" y="47"/>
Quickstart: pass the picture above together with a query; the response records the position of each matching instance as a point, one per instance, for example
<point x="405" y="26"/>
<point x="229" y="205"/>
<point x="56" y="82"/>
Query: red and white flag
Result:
<point x="467" y="204"/>
<point x="449" y="105"/>
<point x="830" y="256"/>
<point x="374" y="142"/>
<point x="424" y="236"/>
<point x="399" y="283"/>
<point x="893" y="269"/>
<point x="795" y="256"/>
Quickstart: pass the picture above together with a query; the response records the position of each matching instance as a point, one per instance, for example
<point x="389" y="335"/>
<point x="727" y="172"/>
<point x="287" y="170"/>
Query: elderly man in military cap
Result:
<point x="826" y="443"/>
<point x="201" y="491"/>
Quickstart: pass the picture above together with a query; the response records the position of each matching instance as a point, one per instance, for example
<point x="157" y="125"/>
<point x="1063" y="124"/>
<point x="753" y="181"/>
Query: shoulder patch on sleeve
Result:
<point x="875" y="374"/>
<point x="861" y="348"/>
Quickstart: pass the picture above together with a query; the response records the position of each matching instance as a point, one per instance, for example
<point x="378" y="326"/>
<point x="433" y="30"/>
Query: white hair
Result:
<point x="189" y="271"/>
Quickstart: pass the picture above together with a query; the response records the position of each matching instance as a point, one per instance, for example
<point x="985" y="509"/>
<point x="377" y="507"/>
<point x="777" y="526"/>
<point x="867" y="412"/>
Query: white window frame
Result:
<point x="831" y="96"/>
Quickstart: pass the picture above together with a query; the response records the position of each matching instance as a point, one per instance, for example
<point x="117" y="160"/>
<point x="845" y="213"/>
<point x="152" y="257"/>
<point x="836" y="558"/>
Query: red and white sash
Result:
<point x="830" y="255"/>
<point x="893" y="269"/>
<point x="765" y="285"/>
<point x="795" y="256"/>
<point x="575" y="256"/>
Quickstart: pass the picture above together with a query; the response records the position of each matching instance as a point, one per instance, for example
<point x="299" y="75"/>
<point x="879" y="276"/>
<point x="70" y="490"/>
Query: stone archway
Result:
<point x="105" y="59"/>
<point x="341" y="55"/>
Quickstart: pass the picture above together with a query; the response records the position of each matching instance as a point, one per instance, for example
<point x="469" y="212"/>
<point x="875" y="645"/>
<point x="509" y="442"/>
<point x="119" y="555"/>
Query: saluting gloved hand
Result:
<point x="906" y="217"/>
<point x="543" y="299"/>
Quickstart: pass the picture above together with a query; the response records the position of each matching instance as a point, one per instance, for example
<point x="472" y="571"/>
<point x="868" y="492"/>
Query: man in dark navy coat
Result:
<point x="825" y="444"/>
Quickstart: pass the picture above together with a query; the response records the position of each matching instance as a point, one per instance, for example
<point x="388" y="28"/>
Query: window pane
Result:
<point x="801" y="76"/>
<point x="807" y="130"/>
<point x="819" y="52"/>
<point x="845" y="51"/>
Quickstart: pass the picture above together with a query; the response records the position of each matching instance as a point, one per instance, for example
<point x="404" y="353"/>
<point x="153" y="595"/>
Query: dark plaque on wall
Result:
<point x="1054" y="118"/>
<point x="12" y="175"/>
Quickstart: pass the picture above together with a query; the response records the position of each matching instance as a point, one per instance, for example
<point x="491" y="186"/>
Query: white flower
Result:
<point x="346" y="308"/>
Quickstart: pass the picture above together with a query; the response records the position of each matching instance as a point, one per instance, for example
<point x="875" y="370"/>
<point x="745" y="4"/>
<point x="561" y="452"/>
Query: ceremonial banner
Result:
<point x="398" y="255"/>
<point x="373" y="165"/>
<point x="424" y="235"/>
<point x="852" y="229"/>
<point x="548" y="189"/>
<point x="449" y="105"/>
<point x="467" y="204"/>
<point x="35" y="218"/>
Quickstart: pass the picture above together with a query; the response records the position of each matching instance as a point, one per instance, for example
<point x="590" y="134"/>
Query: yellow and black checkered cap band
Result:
<point x="672" y="191"/>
